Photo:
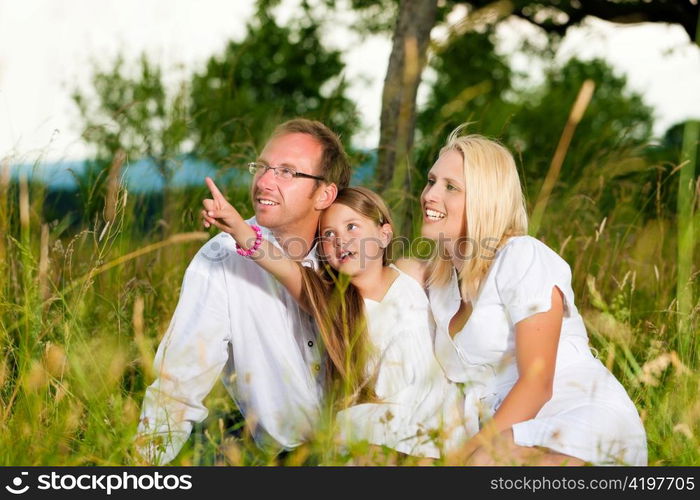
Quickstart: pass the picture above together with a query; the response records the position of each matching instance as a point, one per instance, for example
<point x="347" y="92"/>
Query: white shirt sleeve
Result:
<point x="527" y="271"/>
<point x="188" y="362"/>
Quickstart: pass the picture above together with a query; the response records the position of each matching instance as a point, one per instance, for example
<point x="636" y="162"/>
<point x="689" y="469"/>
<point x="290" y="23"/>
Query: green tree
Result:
<point x="471" y="86"/>
<point x="222" y="114"/>
<point x="616" y="121"/>
<point x="275" y="73"/>
<point x="665" y="157"/>
<point x="134" y="114"/>
<point x="615" y="128"/>
<point x="474" y="85"/>
<point x="129" y="110"/>
<point x="554" y="17"/>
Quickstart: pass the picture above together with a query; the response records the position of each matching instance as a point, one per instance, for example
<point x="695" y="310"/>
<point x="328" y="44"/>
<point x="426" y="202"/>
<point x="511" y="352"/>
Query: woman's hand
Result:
<point x="536" y="344"/>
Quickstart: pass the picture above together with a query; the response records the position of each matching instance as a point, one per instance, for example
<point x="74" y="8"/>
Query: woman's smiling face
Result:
<point x="350" y="241"/>
<point x="443" y="199"/>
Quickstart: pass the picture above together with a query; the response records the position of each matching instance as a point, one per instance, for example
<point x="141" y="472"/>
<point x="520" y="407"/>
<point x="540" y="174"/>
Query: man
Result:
<point x="234" y="317"/>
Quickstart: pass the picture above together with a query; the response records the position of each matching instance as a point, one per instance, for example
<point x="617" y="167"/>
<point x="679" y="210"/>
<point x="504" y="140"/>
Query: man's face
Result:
<point x="281" y="203"/>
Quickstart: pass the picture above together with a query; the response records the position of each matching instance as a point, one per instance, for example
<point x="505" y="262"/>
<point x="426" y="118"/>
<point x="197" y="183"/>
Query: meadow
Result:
<point x="84" y="302"/>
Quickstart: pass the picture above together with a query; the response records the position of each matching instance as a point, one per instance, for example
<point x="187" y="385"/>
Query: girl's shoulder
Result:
<point x="415" y="268"/>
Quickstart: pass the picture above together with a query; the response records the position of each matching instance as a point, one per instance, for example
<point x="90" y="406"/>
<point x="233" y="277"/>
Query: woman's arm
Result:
<point x="536" y="343"/>
<point x="220" y="213"/>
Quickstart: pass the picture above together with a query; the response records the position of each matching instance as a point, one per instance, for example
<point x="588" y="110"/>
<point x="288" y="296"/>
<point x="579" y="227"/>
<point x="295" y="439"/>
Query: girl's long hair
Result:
<point x="339" y="312"/>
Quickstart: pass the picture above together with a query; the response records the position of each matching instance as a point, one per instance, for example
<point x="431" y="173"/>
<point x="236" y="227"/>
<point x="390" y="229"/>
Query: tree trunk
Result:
<point x="408" y="56"/>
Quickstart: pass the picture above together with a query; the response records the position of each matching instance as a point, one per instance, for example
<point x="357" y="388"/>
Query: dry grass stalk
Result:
<point x="140" y="340"/>
<point x="44" y="263"/>
<point x="4" y="215"/>
<point x="112" y="197"/>
<point x="23" y="203"/>
<point x="579" y="108"/>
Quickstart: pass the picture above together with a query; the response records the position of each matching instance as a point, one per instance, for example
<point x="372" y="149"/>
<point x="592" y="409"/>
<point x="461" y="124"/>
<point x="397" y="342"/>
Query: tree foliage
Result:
<point x="555" y="17"/>
<point x="616" y="120"/>
<point x="275" y="73"/>
<point x="471" y="85"/>
<point x="130" y="110"/>
<point x="222" y="113"/>
<point x="475" y="85"/>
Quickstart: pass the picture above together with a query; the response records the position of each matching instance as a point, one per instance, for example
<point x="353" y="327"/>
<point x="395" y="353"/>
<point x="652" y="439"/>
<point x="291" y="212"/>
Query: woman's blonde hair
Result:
<point x="494" y="209"/>
<point x="339" y="311"/>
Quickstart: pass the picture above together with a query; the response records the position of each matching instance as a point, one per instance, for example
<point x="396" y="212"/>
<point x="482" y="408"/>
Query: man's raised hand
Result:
<point x="219" y="212"/>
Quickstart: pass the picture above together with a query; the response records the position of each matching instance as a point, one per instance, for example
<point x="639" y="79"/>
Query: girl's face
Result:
<point x="350" y="241"/>
<point x="443" y="200"/>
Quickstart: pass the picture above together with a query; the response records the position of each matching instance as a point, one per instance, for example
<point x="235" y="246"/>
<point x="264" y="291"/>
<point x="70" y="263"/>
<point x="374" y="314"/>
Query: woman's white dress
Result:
<point x="420" y="412"/>
<point x="590" y="416"/>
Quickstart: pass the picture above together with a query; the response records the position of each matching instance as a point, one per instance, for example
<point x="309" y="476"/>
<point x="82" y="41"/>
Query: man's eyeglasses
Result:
<point x="286" y="173"/>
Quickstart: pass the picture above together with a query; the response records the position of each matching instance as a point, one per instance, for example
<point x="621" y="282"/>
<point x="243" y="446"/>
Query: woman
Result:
<point x="374" y="320"/>
<point x="507" y="327"/>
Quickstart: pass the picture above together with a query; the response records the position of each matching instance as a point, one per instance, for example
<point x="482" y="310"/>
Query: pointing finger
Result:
<point x="214" y="189"/>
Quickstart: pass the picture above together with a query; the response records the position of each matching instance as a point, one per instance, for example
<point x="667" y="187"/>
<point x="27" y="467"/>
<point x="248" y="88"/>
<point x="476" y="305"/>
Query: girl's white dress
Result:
<point x="590" y="416"/>
<point x="420" y="412"/>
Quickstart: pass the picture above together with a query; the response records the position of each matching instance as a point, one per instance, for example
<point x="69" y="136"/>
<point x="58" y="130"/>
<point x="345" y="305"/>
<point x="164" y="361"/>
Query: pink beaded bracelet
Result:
<point x="256" y="245"/>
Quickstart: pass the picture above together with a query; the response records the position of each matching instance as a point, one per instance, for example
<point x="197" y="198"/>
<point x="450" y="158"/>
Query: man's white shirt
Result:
<point x="233" y="319"/>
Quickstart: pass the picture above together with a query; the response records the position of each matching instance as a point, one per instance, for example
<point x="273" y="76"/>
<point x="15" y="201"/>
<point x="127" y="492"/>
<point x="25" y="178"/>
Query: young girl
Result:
<point x="507" y="325"/>
<point x="374" y="320"/>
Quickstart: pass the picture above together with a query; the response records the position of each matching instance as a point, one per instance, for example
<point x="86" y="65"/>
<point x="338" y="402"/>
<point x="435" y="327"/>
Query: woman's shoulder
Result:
<point x="527" y="247"/>
<point x="527" y="270"/>
<point x="522" y="253"/>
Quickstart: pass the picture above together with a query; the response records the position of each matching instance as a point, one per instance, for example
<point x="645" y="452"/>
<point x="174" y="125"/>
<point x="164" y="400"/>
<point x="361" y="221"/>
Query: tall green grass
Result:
<point x="82" y="310"/>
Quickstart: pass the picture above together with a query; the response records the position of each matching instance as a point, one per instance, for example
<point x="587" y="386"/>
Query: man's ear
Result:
<point x="385" y="234"/>
<point x="326" y="197"/>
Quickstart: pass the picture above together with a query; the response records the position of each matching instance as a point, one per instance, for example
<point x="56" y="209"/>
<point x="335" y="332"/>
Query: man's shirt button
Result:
<point x="310" y="343"/>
